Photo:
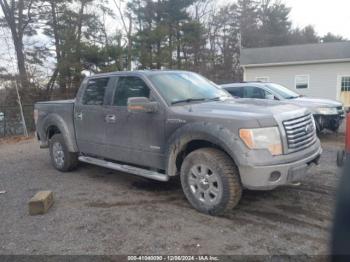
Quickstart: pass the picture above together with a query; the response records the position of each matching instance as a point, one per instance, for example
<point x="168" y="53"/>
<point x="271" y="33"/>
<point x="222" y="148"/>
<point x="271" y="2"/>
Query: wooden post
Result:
<point x="21" y="110"/>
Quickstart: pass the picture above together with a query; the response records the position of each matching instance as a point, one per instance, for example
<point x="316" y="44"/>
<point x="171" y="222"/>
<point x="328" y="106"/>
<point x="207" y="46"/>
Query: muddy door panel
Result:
<point x="89" y="118"/>
<point x="135" y="138"/>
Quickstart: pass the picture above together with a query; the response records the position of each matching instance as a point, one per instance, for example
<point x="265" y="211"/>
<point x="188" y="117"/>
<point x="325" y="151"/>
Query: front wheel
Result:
<point x="210" y="181"/>
<point x="61" y="158"/>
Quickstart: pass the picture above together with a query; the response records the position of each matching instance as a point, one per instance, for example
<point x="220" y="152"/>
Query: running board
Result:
<point x="125" y="168"/>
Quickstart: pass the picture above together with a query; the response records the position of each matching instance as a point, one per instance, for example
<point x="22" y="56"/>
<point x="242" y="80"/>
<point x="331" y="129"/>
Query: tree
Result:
<point x="247" y="11"/>
<point x="18" y="17"/>
<point x="76" y="29"/>
<point x="306" y="35"/>
<point x="225" y="49"/>
<point x="329" y="37"/>
<point x="128" y="27"/>
<point x="275" y="24"/>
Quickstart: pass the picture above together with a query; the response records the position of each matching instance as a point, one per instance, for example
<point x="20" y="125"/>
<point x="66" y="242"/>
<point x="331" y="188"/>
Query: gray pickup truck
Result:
<point x="161" y="124"/>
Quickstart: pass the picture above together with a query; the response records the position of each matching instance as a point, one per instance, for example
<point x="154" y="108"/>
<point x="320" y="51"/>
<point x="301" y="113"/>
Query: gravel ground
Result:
<point x="98" y="211"/>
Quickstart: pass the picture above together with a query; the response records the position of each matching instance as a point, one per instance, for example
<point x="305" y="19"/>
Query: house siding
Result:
<point x="323" y="81"/>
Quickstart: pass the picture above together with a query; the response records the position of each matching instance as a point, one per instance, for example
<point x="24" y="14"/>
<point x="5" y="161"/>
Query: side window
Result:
<point x="95" y="91"/>
<point x="129" y="86"/>
<point x="254" y="92"/>
<point x="236" y="91"/>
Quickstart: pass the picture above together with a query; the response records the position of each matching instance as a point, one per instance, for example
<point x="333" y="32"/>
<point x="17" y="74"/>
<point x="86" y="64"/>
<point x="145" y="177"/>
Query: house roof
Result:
<point x="296" y="54"/>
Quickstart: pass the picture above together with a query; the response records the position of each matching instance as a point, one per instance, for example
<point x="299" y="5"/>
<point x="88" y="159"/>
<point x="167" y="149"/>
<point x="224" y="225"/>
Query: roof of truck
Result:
<point x="140" y="72"/>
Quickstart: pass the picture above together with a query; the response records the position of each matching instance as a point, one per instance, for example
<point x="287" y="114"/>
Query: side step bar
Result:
<point x="125" y="168"/>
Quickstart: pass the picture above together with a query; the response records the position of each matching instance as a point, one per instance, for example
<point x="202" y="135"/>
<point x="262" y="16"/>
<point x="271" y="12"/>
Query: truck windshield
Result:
<point x="282" y="91"/>
<point x="186" y="87"/>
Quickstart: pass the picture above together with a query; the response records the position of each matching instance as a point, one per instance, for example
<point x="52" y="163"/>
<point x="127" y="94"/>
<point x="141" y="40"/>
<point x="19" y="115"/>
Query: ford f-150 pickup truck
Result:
<point x="163" y="124"/>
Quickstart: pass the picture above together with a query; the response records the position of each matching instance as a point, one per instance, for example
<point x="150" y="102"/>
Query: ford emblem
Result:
<point x="308" y="129"/>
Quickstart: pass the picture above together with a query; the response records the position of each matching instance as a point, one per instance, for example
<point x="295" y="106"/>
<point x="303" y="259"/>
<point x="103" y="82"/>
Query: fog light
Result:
<point x="275" y="176"/>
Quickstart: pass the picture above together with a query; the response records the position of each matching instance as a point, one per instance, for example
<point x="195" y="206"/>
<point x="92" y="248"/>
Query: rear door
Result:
<point x="89" y="115"/>
<point x="135" y="138"/>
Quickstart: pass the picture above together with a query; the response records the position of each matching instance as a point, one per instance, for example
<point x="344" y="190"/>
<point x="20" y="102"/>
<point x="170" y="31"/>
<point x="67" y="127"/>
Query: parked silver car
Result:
<point x="328" y="114"/>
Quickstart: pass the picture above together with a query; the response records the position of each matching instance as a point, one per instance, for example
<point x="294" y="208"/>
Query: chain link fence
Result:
<point x="11" y="121"/>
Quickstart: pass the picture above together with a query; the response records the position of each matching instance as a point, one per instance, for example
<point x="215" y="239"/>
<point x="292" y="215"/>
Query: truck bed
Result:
<point x="60" y="112"/>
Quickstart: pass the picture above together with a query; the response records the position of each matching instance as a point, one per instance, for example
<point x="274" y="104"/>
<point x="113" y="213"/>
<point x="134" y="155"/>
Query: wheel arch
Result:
<point x="55" y="124"/>
<point x="195" y="136"/>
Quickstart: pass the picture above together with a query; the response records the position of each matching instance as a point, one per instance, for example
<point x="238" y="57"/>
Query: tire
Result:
<point x="319" y="129"/>
<point x="335" y="128"/>
<point x="61" y="158"/>
<point x="210" y="181"/>
<point x="340" y="158"/>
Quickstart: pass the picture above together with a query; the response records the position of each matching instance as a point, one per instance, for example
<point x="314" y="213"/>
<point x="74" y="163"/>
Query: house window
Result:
<point x="345" y="84"/>
<point x="262" y="79"/>
<point x="302" y="81"/>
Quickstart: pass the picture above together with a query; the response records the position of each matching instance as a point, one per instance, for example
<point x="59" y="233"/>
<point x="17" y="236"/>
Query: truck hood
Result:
<point x="313" y="103"/>
<point x="265" y="112"/>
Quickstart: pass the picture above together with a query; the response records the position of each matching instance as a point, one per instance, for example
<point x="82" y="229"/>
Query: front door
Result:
<point x="135" y="138"/>
<point x="89" y="117"/>
<point x="345" y="90"/>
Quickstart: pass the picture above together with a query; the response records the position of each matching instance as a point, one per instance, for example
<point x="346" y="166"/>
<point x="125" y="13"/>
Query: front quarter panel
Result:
<point x="216" y="134"/>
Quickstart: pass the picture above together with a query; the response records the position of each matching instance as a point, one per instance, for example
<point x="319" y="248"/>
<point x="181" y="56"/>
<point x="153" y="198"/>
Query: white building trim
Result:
<point x="299" y="63"/>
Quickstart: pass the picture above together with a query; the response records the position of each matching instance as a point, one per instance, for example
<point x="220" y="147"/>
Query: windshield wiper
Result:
<point x="292" y="97"/>
<point x="188" y="100"/>
<point x="218" y="98"/>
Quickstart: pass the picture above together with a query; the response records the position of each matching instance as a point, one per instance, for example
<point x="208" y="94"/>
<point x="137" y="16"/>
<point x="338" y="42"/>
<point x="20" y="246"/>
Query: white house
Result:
<point x="318" y="70"/>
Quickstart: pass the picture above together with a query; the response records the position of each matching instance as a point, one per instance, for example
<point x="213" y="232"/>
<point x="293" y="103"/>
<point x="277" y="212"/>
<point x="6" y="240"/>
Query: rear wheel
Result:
<point x="210" y="181"/>
<point x="61" y="158"/>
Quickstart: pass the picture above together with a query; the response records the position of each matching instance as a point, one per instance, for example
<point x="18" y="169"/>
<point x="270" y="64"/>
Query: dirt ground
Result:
<point x="98" y="211"/>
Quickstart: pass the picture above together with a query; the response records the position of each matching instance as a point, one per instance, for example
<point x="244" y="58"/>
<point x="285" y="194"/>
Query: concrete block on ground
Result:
<point x="40" y="203"/>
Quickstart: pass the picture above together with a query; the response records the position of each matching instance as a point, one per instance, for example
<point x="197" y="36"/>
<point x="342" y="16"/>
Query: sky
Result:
<point x="326" y="16"/>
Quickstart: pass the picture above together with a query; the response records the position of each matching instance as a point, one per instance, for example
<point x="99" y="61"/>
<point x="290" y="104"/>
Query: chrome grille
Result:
<point x="300" y="133"/>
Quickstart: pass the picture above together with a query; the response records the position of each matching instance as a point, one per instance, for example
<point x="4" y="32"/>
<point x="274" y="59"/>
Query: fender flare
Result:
<point x="68" y="136"/>
<point x="212" y="133"/>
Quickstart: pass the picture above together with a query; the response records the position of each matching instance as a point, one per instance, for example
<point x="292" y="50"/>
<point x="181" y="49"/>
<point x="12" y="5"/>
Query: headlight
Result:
<point x="263" y="138"/>
<point x="327" y="111"/>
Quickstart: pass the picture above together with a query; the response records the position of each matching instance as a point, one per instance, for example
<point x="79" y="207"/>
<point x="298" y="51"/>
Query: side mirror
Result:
<point x="142" y="105"/>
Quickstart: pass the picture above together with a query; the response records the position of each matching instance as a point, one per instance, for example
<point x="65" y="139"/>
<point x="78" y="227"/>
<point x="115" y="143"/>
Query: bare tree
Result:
<point x="127" y="27"/>
<point x="17" y="17"/>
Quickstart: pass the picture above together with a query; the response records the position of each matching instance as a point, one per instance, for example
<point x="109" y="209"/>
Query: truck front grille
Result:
<point x="300" y="133"/>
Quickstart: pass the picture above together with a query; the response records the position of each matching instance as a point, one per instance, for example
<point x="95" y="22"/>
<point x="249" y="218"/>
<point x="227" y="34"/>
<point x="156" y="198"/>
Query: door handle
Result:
<point x="79" y="116"/>
<point x="111" y="118"/>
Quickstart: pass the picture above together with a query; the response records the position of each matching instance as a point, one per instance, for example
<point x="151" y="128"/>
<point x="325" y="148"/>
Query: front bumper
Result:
<point x="331" y="122"/>
<point x="270" y="177"/>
